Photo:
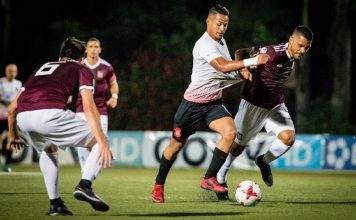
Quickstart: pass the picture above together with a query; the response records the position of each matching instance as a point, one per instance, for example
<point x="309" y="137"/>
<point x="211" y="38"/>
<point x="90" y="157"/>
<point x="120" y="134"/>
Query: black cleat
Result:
<point x="265" y="171"/>
<point x="55" y="210"/>
<point x="86" y="194"/>
<point x="223" y="195"/>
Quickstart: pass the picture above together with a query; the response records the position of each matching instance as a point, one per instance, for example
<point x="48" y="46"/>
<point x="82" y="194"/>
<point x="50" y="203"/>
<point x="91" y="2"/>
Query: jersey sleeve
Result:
<point x="111" y="77"/>
<point x="208" y="52"/>
<point x="86" y="79"/>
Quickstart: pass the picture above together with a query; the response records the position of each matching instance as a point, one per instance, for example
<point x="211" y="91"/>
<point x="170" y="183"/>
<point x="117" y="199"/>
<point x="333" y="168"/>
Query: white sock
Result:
<point x="221" y="175"/>
<point x="83" y="154"/>
<point x="277" y="149"/>
<point x="50" y="170"/>
<point x="92" y="167"/>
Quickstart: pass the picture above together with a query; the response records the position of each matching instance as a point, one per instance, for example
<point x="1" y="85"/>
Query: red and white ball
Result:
<point x="248" y="193"/>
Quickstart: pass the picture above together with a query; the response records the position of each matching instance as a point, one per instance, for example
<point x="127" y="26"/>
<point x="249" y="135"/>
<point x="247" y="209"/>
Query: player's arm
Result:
<point x="241" y="54"/>
<point x="93" y="118"/>
<point x="114" y="91"/>
<point x="14" y="140"/>
<point x="225" y="66"/>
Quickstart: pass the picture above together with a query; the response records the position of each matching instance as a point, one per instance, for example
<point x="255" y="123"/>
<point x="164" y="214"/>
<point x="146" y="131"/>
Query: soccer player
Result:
<point x="104" y="76"/>
<point x="9" y="87"/>
<point x="262" y="103"/>
<point x="42" y="115"/>
<point x="202" y="102"/>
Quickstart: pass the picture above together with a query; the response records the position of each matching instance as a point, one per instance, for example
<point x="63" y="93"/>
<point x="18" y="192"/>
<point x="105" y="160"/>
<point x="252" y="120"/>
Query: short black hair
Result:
<point x="305" y="31"/>
<point x="72" y="48"/>
<point x="219" y="9"/>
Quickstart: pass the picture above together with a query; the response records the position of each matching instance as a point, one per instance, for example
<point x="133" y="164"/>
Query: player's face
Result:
<point x="11" y="72"/>
<point x="217" y="25"/>
<point x="298" y="46"/>
<point x="93" y="49"/>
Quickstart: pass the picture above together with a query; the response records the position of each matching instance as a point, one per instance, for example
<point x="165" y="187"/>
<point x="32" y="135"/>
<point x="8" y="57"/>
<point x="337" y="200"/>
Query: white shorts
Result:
<point x="250" y="120"/>
<point x="103" y="121"/>
<point x="54" y="126"/>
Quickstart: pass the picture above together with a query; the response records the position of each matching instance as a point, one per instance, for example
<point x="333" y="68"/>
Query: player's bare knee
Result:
<point x="229" y="134"/>
<point x="51" y="149"/>
<point x="287" y="137"/>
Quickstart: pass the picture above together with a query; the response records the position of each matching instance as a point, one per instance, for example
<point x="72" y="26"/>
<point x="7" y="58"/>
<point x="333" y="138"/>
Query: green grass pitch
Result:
<point x="294" y="195"/>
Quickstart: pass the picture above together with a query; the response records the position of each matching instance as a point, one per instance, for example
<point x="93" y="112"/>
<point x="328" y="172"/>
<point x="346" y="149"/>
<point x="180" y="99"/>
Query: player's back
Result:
<point x="50" y="86"/>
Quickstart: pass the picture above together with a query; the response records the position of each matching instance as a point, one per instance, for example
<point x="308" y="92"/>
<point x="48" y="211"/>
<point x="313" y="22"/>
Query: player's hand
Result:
<point x="15" y="143"/>
<point x="262" y="58"/>
<point x="246" y="74"/>
<point x="112" y="102"/>
<point x="105" y="155"/>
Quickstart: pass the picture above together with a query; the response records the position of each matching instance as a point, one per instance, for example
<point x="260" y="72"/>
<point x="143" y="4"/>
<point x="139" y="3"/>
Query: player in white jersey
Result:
<point x="262" y="103"/>
<point x="213" y="70"/>
<point x="105" y="79"/>
<point x="9" y="87"/>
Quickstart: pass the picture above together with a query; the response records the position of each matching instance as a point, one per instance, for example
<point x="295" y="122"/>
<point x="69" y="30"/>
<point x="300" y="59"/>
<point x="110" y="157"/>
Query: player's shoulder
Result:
<point x="104" y="62"/>
<point x="277" y="47"/>
<point x="204" y="42"/>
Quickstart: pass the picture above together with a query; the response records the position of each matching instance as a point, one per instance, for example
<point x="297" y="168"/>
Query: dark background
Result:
<point x="149" y="43"/>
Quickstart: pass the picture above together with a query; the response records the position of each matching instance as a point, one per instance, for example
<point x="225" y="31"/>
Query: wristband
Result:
<point x="250" y="61"/>
<point x="114" y="96"/>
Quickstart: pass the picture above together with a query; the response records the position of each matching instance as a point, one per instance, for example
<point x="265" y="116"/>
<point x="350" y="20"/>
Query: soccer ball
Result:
<point x="248" y="193"/>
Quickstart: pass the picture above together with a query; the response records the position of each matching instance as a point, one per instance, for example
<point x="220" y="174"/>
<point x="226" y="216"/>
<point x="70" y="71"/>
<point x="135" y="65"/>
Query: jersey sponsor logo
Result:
<point x="177" y="132"/>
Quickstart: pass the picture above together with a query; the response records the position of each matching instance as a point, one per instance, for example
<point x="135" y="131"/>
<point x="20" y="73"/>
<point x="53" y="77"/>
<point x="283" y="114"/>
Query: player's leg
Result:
<point x="50" y="170"/>
<point x="219" y="120"/>
<point x="280" y="124"/>
<point x="249" y="120"/>
<point x="83" y="152"/>
<point x="186" y="121"/>
<point x="168" y="157"/>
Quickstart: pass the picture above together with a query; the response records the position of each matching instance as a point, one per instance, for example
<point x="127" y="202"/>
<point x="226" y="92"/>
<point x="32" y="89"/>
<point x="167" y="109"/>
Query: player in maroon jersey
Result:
<point x="40" y="112"/>
<point x="262" y="103"/>
<point x="105" y="79"/>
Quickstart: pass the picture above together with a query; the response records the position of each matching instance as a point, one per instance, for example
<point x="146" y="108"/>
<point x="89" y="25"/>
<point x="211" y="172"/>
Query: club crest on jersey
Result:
<point x="100" y="74"/>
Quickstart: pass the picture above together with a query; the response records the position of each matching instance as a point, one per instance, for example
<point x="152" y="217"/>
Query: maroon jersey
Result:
<point x="266" y="89"/>
<point x="50" y="86"/>
<point x="104" y="76"/>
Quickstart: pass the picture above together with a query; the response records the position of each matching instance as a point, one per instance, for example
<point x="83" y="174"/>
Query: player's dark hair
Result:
<point x="72" y="48"/>
<point x="219" y="9"/>
<point x="305" y="31"/>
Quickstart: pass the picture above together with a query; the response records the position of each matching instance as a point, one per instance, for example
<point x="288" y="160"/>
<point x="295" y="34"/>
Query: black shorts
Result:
<point x="191" y="115"/>
<point x="3" y="125"/>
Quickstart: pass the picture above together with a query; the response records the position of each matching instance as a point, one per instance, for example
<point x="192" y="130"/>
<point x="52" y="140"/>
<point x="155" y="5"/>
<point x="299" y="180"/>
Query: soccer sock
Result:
<point x="164" y="167"/>
<point x="92" y="167"/>
<point x="8" y="156"/>
<point x="83" y="154"/>
<point x="217" y="161"/>
<point x="221" y="175"/>
<point x="278" y="148"/>
<point x="50" y="170"/>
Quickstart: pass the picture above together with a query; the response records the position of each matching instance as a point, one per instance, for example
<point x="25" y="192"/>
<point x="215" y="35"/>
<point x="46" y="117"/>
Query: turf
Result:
<point x="294" y="195"/>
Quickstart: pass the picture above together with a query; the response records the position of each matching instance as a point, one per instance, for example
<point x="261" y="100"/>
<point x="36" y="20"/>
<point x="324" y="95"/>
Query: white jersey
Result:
<point x="8" y="91"/>
<point x="204" y="86"/>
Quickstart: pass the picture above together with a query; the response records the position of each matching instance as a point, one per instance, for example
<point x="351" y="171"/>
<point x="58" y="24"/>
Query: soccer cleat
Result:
<point x="157" y="193"/>
<point x="87" y="195"/>
<point x="265" y="171"/>
<point x="223" y="195"/>
<point x="55" y="210"/>
<point x="212" y="184"/>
